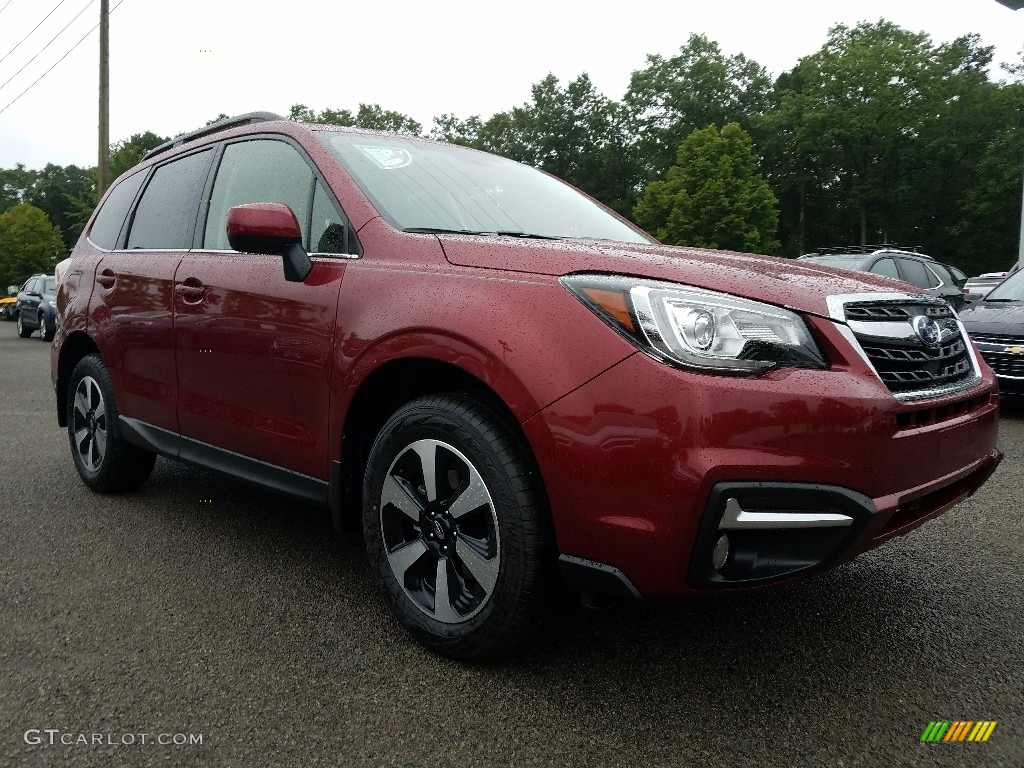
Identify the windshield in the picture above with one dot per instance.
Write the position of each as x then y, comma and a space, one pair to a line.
423, 186
1011, 289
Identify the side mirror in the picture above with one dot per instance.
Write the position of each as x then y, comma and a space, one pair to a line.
270, 228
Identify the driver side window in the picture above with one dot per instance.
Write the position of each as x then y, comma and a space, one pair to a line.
260, 171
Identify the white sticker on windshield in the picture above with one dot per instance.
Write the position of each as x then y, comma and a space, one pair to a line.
387, 158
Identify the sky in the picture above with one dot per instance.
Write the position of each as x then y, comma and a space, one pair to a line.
174, 66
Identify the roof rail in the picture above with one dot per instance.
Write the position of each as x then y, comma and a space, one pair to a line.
221, 125
872, 249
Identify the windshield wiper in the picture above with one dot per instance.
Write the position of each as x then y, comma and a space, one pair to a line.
491, 233
1008, 301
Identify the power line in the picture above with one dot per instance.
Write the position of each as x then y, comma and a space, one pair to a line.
48, 44
58, 61
5, 5
26, 37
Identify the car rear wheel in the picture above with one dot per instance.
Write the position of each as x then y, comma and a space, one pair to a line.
23, 332
105, 462
45, 333
456, 527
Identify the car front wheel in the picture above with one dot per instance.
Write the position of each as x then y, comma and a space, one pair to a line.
105, 462
45, 332
23, 332
456, 527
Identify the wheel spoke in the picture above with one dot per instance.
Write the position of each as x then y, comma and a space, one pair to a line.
81, 403
484, 571
443, 610
100, 438
81, 435
397, 495
100, 413
473, 497
427, 451
403, 558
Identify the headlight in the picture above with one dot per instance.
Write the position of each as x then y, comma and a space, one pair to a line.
695, 328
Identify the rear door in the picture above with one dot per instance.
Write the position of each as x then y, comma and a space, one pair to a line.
132, 301
253, 350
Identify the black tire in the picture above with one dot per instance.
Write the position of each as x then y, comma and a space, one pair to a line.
486, 533
23, 332
105, 462
45, 332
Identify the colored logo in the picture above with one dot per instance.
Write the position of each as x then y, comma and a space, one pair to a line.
927, 330
1014, 350
958, 730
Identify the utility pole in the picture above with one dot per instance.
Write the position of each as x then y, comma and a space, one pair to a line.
103, 165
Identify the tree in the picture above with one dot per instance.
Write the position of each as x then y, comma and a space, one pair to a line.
68, 196
876, 136
714, 196
14, 186
29, 243
129, 153
369, 116
698, 87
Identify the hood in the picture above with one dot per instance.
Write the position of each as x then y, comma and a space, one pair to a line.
795, 284
994, 317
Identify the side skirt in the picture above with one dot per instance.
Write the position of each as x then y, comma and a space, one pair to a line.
259, 473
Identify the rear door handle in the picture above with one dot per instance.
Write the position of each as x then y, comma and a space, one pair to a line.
191, 294
106, 278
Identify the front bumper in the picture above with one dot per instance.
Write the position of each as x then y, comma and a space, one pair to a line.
632, 460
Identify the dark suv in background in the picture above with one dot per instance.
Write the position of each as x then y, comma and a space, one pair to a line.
931, 276
500, 380
36, 308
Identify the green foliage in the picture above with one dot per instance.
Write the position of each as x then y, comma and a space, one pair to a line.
369, 116
129, 153
29, 243
713, 197
877, 137
698, 87
68, 196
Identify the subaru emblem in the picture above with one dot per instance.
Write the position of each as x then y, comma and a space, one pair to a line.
927, 330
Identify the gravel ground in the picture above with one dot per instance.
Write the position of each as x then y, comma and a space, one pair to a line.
201, 607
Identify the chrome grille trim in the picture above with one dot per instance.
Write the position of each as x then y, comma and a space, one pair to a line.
878, 326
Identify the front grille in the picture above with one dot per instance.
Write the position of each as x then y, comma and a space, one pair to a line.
908, 366
1005, 365
997, 338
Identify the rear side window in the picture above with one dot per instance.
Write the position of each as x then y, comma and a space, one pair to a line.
885, 267
917, 273
166, 214
260, 171
110, 219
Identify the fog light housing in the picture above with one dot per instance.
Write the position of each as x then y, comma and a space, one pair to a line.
720, 554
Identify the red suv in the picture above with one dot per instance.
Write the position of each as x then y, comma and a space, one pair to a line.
505, 383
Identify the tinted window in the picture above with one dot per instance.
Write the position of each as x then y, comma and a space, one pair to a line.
885, 267
917, 273
327, 233
107, 225
50, 285
263, 171
166, 214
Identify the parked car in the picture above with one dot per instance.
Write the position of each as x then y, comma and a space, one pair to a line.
931, 276
7, 307
503, 382
996, 324
36, 307
978, 287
